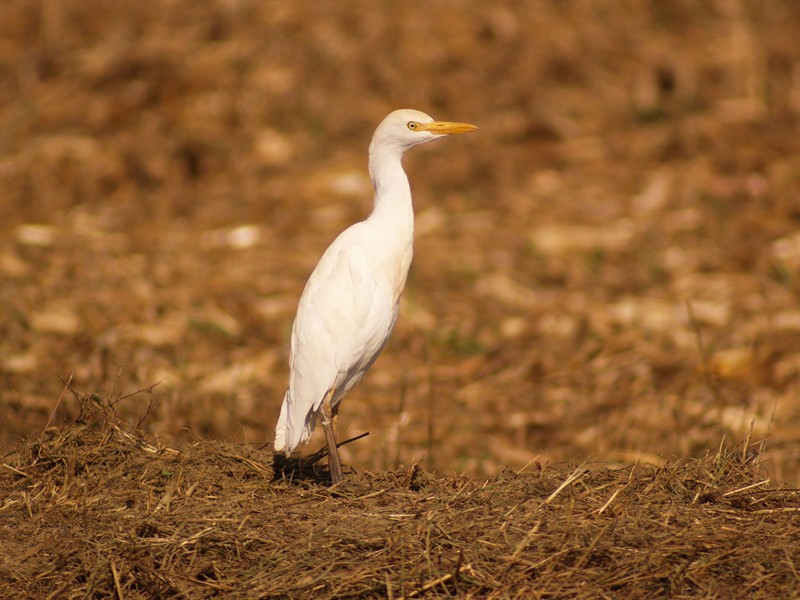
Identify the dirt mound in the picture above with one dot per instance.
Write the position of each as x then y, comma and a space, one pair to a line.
100, 509
608, 268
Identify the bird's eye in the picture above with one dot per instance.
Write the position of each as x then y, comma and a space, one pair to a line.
412, 125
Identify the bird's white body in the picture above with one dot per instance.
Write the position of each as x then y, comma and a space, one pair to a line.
349, 306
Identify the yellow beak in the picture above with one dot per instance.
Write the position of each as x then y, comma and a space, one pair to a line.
446, 127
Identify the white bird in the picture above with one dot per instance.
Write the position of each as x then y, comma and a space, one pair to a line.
349, 305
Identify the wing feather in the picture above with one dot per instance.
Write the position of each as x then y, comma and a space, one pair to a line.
343, 321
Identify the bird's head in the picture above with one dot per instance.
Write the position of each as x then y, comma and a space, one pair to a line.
406, 128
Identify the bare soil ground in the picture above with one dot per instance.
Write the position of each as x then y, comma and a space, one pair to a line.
608, 271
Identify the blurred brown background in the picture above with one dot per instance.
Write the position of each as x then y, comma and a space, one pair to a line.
609, 268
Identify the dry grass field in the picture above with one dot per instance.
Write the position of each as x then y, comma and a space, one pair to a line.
605, 296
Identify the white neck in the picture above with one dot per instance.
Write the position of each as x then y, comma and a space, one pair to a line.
393, 203
392, 217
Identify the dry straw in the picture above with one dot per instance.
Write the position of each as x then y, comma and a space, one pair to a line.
100, 509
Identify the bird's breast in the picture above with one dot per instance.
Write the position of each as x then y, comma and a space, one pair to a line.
395, 267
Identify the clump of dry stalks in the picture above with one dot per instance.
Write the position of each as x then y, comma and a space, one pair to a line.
100, 509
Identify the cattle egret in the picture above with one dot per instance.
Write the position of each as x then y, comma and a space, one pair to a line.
349, 305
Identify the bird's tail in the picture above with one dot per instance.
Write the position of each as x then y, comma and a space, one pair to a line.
288, 435
280, 431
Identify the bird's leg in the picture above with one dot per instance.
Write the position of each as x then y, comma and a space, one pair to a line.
334, 465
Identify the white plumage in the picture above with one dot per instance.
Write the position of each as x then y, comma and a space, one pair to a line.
349, 306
